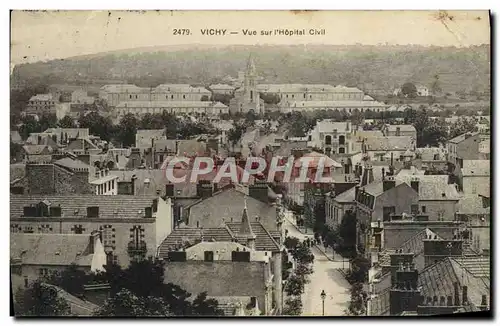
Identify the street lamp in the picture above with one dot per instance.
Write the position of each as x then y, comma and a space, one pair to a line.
323, 296
283, 283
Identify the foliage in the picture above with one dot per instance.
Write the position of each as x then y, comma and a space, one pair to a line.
299, 124
302, 254
347, 234
429, 132
357, 117
15, 150
144, 279
359, 270
462, 126
270, 98
127, 130
294, 285
223, 98
40, 299
28, 125
235, 133
66, 122
47, 121
205, 98
291, 243
71, 279
127, 304
98, 125
303, 270
409, 89
293, 306
357, 305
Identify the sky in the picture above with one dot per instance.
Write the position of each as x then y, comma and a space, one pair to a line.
47, 35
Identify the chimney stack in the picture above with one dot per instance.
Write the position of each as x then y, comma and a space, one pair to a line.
456, 293
388, 183
464, 295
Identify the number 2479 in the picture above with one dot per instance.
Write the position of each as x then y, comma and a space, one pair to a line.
183, 31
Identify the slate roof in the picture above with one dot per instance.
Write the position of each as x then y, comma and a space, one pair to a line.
148, 180
264, 240
433, 187
377, 188
389, 143
35, 149
476, 168
72, 206
228, 204
462, 137
427, 153
347, 196
328, 162
51, 249
72, 164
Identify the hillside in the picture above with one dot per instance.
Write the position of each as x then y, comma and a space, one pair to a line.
459, 69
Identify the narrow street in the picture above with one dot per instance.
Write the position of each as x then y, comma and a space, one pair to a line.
327, 277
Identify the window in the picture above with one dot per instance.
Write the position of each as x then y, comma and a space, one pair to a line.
209, 256
148, 212
328, 140
93, 211
341, 150
78, 229
387, 211
44, 228
108, 235
240, 256
28, 229
43, 272
424, 209
184, 96
15, 228
342, 140
26, 281
414, 209
55, 211
137, 235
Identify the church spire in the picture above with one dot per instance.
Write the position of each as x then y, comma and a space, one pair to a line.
246, 228
251, 71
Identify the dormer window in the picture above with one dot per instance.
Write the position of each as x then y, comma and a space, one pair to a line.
93, 211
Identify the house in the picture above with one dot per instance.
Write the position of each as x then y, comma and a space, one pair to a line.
147, 138
41, 104
35, 255
333, 137
474, 175
389, 148
214, 255
35, 152
132, 227
336, 207
475, 211
437, 198
431, 158
463, 147
400, 130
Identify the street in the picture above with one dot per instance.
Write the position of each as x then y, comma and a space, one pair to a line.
327, 277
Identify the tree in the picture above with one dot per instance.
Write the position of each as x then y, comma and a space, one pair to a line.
348, 234
127, 304
303, 270
151, 121
270, 98
409, 90
295, 285
462, 126
28, 125
47, 121
71, 279
359, 270
66, 122
98, 125
357, 305
291, 243
293, 306
235, 133
127, 130
357, 117
40, 299
302, 254
436, 87
205, 307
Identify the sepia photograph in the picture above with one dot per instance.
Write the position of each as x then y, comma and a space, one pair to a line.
293, 163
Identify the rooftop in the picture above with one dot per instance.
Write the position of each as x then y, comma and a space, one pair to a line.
403, 128
476, 168
51, 249
463, 137
169, 104
390, 143
118, 207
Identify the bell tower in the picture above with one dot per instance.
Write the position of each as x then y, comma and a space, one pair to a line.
251, 96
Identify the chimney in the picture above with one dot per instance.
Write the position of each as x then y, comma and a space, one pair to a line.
367, 175
414, 184
456, 294
132, 181
383, 173
464, 295
392, 159
204, 189
259, 190
388, 183
94, 236
356, 192
484, 303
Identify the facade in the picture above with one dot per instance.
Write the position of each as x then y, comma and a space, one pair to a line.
132, 227
41, 104
36, 255
222, 89
286, 106
333, 137
312, 92
175, 107
475, 176
115, 94
388, 149
463, 147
